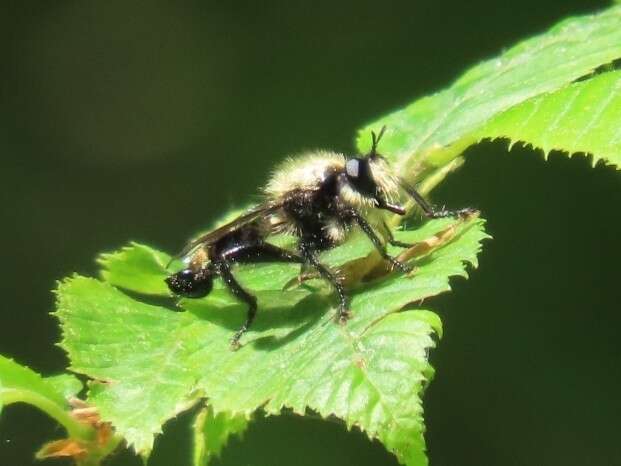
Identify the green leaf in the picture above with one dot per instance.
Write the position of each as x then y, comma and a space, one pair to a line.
17, 379
137, 268
152, 363
582, 117
19, 384
212, 432
67, 385
435, 129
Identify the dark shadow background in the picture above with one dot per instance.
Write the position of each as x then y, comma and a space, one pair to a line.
144, 120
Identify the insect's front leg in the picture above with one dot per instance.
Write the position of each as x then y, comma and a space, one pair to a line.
377, 242
391, 239
459, 213
432, 212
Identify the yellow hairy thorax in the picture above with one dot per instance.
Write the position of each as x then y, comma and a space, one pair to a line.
305, 172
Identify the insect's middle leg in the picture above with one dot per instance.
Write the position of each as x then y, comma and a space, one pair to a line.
311, 258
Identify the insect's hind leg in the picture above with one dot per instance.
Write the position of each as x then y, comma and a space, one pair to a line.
224, 270
310, 257
267, 252
262, 252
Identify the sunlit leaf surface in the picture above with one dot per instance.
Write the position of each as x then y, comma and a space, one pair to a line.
437, 128
21, 384
582, 117
212, 432
152, 362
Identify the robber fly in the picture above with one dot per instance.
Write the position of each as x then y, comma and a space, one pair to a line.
318, 198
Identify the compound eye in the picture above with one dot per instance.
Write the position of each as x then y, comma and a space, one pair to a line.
352, 168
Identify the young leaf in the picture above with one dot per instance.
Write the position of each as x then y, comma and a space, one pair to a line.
582, 117
152, 363
67, 385
435, 129
212, 432
19, 384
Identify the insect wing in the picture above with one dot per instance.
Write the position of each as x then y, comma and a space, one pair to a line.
244, 219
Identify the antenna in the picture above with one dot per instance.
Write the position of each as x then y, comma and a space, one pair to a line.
375, 140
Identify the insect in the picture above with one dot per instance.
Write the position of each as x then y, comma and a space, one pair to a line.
318, 198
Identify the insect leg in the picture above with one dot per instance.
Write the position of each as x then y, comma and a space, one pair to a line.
267, 252
311, 258
391, 238
377, 242
428, 209
236, 289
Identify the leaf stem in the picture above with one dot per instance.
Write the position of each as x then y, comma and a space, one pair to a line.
74, 428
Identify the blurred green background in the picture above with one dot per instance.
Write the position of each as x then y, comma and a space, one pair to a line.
145, 120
